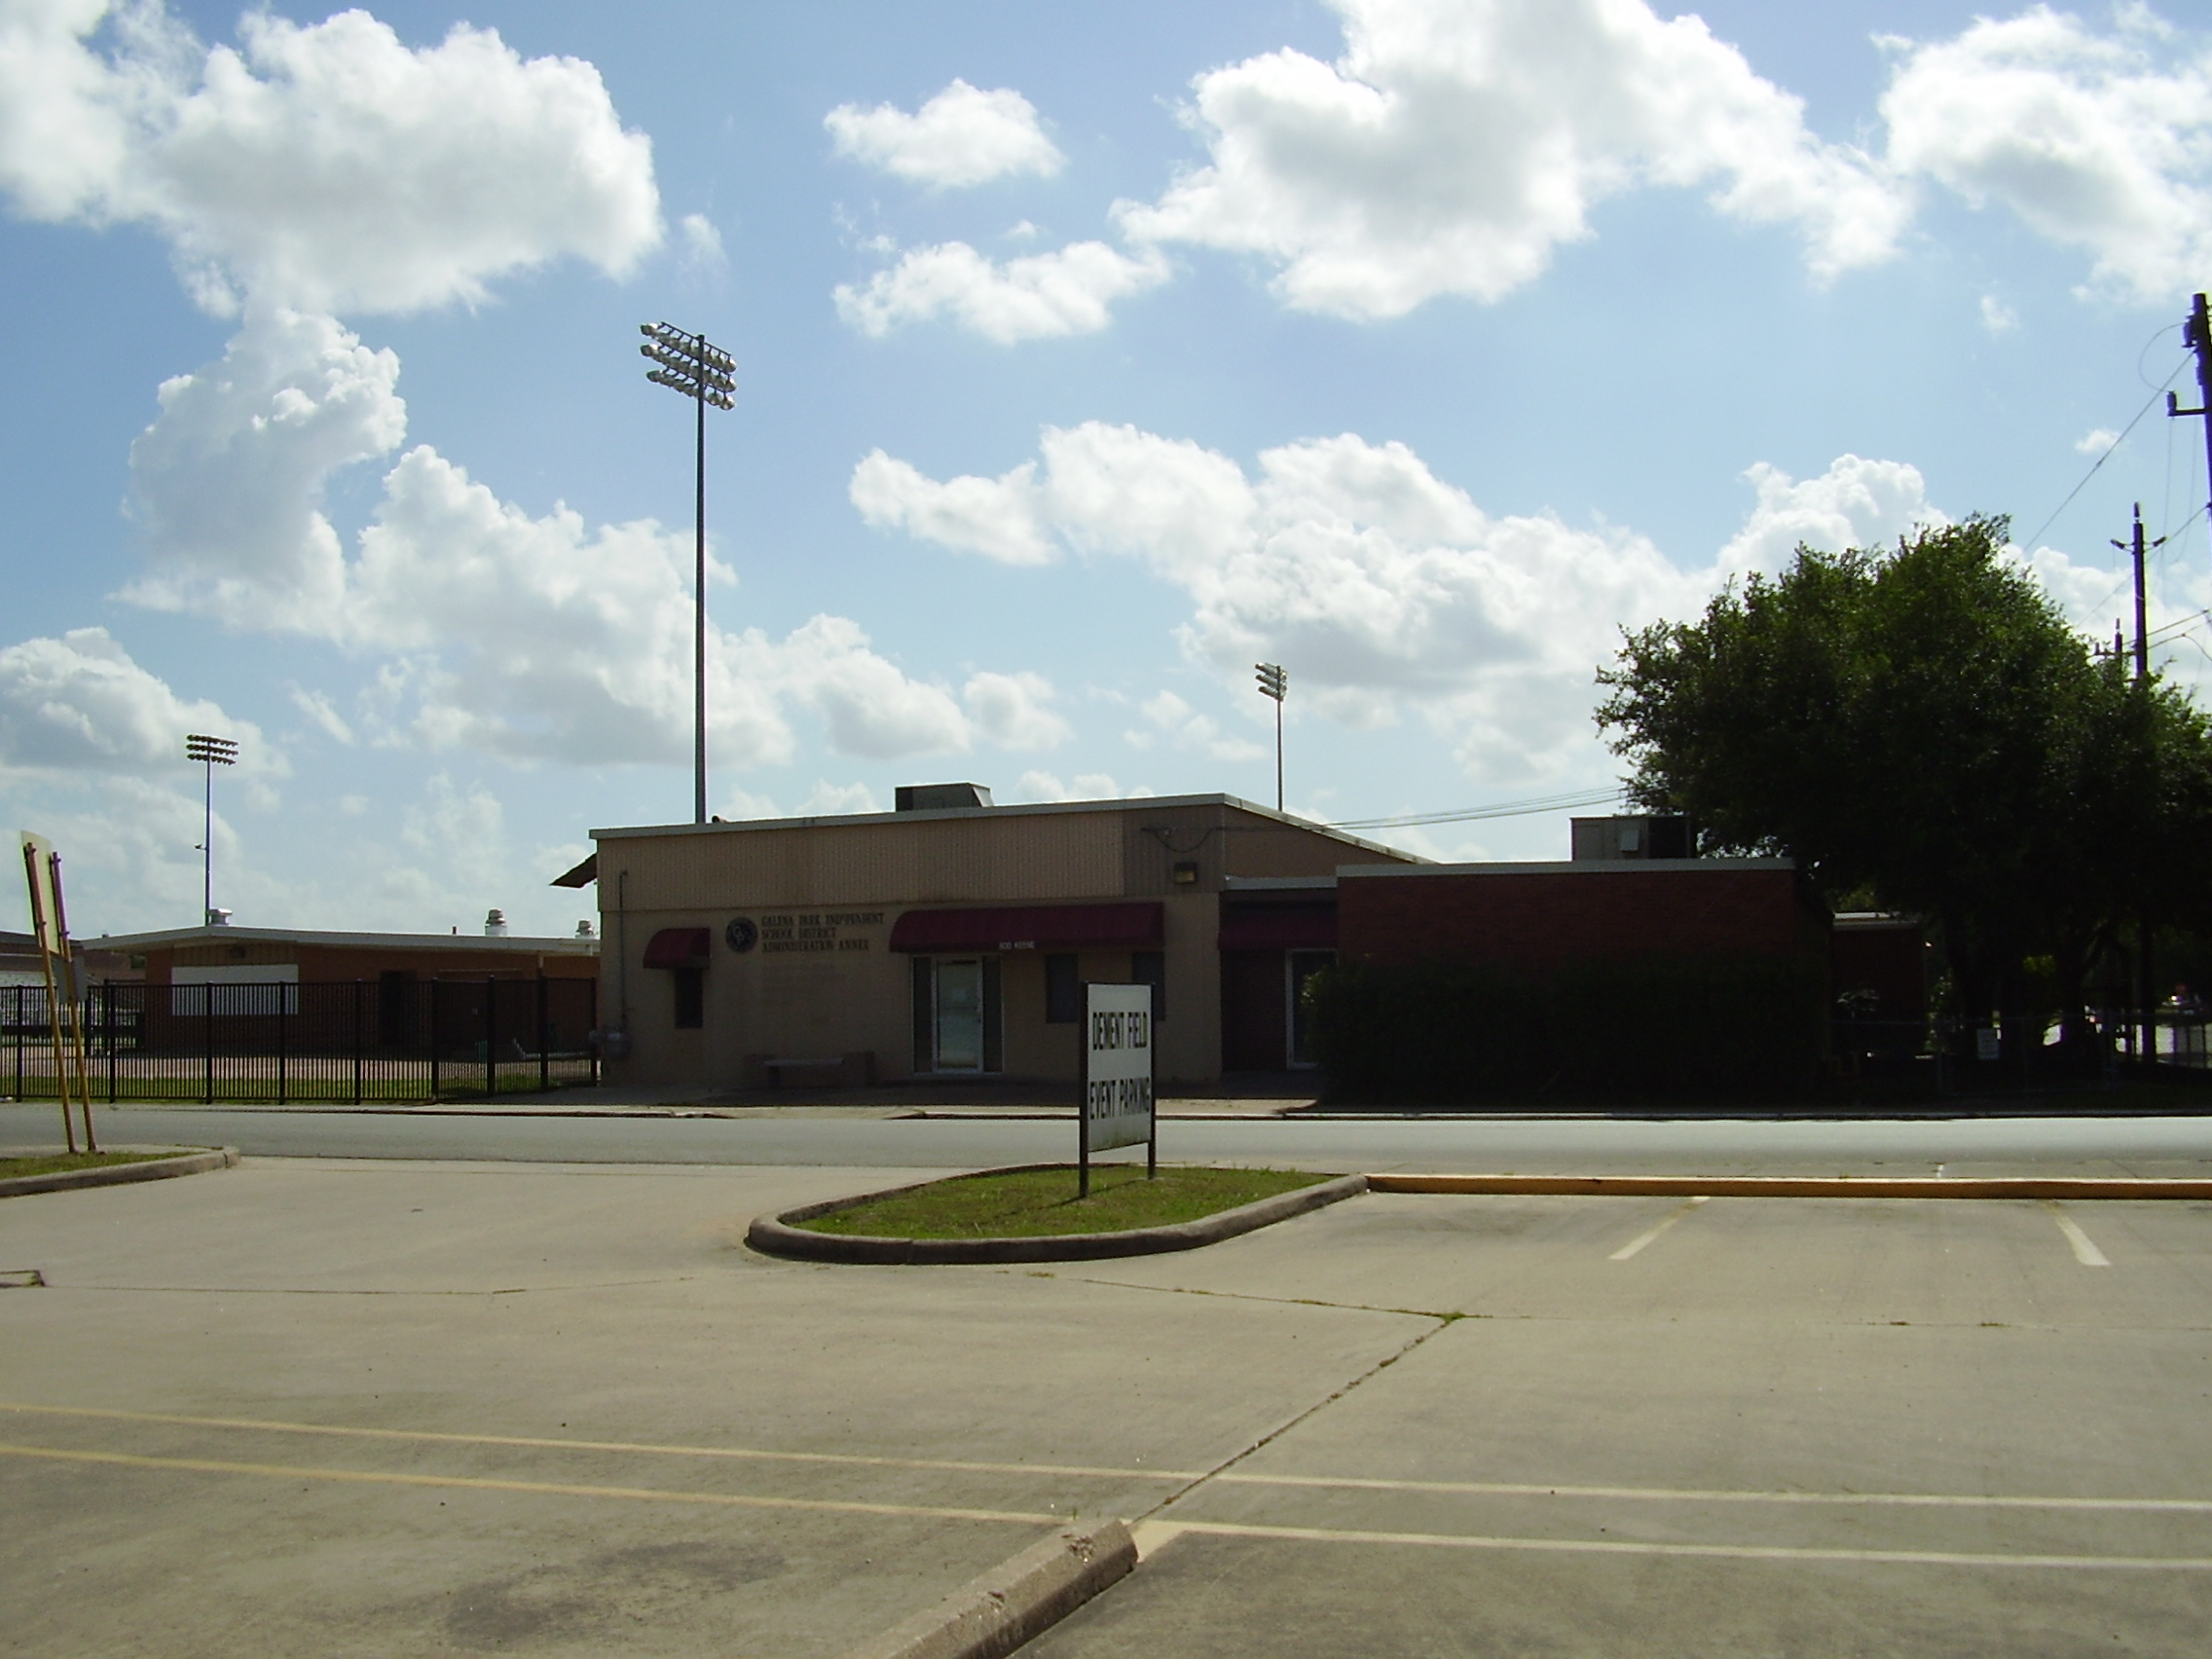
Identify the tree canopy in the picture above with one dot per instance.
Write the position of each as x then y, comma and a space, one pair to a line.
1922, 725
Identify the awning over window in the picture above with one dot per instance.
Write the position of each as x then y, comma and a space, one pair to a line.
1034, 927
1279, 927
678, 948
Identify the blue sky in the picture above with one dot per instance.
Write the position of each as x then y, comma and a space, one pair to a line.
1086, 354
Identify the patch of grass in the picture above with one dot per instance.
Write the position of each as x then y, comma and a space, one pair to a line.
66, 1163
1042, 1203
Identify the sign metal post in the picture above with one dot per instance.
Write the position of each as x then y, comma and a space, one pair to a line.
50, 924
1117, 1077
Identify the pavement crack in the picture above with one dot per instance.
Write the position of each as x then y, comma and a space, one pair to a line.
1443, 1323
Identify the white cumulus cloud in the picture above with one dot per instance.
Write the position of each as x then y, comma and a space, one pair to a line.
1013, 711
1854, 503
993, 516
326, 167
229, 479
2101, 141
537, 637
1379, 584
963, 136
1036, 297
1456, 143
82, 704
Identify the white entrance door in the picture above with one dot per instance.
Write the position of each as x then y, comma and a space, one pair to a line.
959, 1014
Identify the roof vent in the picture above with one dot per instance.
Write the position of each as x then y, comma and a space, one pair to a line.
941, 798
494, 924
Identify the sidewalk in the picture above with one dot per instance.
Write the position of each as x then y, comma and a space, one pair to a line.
900, 1101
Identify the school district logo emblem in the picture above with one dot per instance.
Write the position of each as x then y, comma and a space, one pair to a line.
742, 935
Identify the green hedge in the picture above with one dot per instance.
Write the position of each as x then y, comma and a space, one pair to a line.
1448, 1032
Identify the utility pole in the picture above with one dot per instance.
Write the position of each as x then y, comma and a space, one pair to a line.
1275, 684
2142, 609
2196, 335
686, 363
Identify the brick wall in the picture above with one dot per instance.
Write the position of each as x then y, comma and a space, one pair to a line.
1540, 919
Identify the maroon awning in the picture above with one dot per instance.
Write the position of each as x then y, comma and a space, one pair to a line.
1032, 927
1279, 927
678, 948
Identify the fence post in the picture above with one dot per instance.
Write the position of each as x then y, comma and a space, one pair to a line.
545, 1040
208, 1036
107, 995
593, 1029
431, 986
18, 1033
357, 1042
283, 1033
491, 1036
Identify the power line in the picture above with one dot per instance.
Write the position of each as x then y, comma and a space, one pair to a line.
1473, 814
2152, 402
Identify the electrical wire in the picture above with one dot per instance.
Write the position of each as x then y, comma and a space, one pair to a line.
2107, 455
1503, 809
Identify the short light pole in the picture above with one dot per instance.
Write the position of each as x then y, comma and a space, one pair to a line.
211, 751
1274, 683
686, 363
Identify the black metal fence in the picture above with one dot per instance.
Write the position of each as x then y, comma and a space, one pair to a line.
356, 1040
1942, 1056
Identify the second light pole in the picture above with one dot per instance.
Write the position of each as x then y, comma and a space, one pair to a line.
1275, 684
686, 363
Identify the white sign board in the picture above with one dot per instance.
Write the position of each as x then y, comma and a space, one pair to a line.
1117, 1066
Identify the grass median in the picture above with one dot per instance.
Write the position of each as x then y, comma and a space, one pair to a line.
68, 1163
1042, 1203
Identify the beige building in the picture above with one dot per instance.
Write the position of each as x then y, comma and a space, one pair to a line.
951, 938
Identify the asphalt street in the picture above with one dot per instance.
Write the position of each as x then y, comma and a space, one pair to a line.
2143, 1146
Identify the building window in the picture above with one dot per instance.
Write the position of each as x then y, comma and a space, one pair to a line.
691, 988
1150, 967
1063, 989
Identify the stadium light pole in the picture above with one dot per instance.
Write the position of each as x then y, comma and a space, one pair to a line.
686, 363
1274, 683
211, 751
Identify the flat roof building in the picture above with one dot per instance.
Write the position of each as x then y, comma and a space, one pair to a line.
949, 940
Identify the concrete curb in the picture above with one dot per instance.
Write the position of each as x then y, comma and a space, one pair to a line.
1800, 1186
776, 1235
118, 1174
995, 1613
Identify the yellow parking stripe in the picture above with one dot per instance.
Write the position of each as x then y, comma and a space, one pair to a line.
646, 1449
550, 1488
1158, 1532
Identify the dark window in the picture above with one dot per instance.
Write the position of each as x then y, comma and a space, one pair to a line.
1150, 967
1063, 990
691, 998
925, 1016
395, 1009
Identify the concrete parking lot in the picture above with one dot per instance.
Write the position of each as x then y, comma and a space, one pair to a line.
317, 1406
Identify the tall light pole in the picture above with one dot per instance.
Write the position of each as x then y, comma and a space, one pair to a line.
686, 363
1274, 683
211, 752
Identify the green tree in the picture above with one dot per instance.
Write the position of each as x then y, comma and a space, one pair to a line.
1922, 725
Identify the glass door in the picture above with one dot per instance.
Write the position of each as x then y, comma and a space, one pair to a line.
960, 1014
1299, 967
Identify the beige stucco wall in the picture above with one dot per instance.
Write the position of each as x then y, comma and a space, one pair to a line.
842, 886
